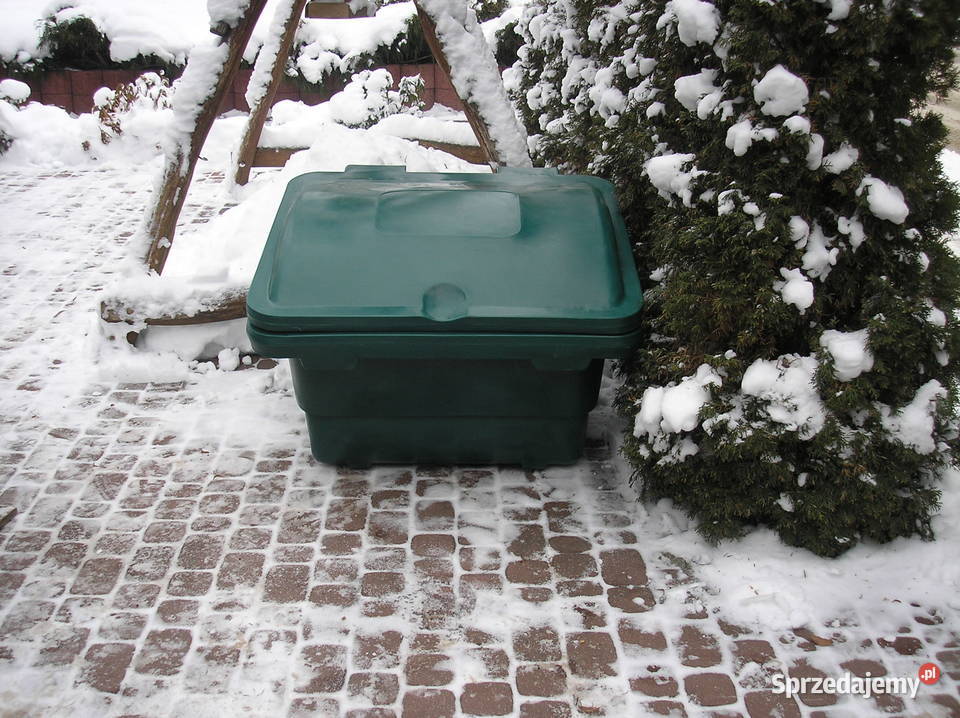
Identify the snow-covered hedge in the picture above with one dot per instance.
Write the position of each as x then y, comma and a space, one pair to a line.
780, 178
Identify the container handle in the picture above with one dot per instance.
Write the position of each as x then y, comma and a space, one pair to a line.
375, 171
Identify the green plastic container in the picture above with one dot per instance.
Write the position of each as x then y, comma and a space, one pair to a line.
441, 318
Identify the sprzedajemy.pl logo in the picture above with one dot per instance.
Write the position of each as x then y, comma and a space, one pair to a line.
849, 684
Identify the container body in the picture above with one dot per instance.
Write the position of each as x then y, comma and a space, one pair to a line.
446, 411
442, 318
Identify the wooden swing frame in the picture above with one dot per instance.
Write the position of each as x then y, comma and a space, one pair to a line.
168, 201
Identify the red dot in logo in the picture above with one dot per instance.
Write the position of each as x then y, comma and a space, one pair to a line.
929, 673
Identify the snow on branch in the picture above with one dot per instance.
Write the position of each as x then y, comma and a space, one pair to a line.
226, 12
268, 55
476, 77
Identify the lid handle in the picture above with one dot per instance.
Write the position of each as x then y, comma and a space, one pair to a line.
535, 171
444, 302
375, 171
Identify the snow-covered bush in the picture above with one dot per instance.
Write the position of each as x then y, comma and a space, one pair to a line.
13, 94
367, 98
74, 41
779, 175
112, 108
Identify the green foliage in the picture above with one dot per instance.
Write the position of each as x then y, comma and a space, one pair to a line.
508, 45
408, 48
596, 85
78, 44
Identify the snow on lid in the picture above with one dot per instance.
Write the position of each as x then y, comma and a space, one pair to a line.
666, 173
228, 11
780, 92
851, 357
14, 90
696, 21
796, 289
885, 201
672, 409
913, 425
787, 387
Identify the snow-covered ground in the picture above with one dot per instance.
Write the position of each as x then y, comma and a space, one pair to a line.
68, 212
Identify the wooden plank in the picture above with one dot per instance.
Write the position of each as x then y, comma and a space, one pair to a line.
178, 171
6, 515
273, 156
247, 156
469, 109
329, 11
469, 153
279, 156
230, 304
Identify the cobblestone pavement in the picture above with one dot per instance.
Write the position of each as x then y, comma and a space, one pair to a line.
176, 551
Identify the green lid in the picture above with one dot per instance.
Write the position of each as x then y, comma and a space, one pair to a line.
377, 249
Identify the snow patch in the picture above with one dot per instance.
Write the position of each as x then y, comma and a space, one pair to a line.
841, 160
743, 134
697, 93
696, 21
913, 425
15, 91
675, 408
796, 289
787, 390
885, 201
668, 175
227, 11
781, 93
851, 357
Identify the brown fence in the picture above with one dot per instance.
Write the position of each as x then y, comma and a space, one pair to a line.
73, 89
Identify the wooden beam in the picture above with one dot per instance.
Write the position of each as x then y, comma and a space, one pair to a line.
258, 113
469, 109
162, 219
6, 515
279, 156
273, 156
469, 153
229, 304
329, 11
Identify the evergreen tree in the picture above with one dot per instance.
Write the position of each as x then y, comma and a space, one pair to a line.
779, 175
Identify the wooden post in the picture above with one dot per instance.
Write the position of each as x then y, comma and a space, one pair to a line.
258, 113
469, 109
161, 222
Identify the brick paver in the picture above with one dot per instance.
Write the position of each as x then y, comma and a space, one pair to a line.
177, 550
